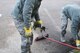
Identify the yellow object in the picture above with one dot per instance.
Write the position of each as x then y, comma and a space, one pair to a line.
77, 42
28, 32
39, 21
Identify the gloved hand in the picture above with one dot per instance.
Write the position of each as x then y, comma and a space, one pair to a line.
37, 24
78, 43
28, 32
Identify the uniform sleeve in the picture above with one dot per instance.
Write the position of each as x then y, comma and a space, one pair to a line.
64, 22
37, 16
27, 12
15, 10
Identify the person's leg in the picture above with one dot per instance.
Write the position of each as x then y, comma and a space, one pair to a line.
78, 31
78, 38
74, 31
25, 46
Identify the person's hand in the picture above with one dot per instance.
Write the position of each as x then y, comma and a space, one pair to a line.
37, 24
63, 33
78, 43
28, 32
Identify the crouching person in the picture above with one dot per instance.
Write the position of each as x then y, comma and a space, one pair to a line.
72, 12
24, 12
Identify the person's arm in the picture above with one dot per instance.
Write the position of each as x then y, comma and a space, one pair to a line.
64, 22
38, 22
37, 16
27, 12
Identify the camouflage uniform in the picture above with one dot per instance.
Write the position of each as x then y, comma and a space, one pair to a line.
23, 12
72, 12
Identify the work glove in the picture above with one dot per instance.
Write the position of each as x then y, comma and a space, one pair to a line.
28, 32
78, 43
37, 24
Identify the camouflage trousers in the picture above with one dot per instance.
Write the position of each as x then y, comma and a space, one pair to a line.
26, 42
75, 28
